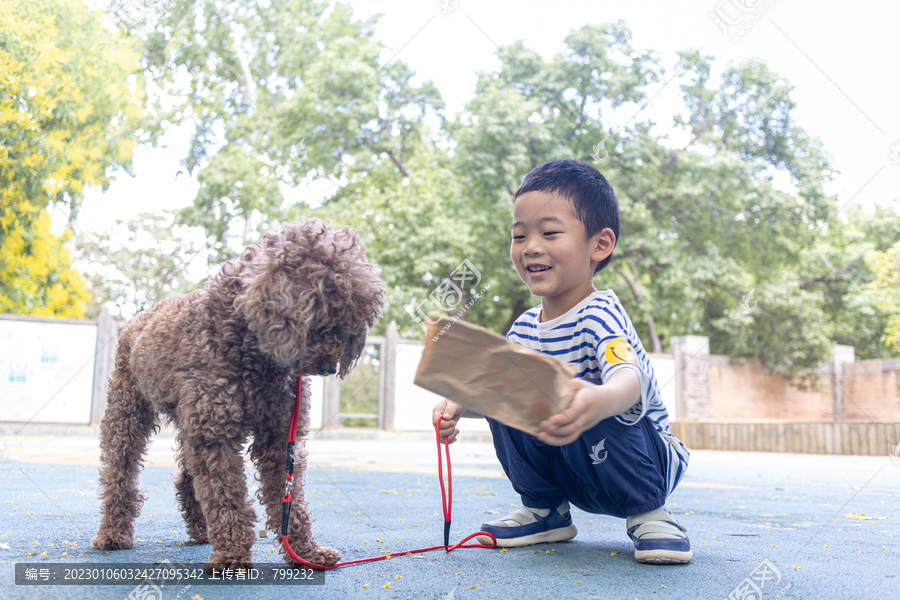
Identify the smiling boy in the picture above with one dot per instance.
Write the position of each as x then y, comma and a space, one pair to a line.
609, 451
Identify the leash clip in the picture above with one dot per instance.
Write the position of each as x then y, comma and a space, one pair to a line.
288, 486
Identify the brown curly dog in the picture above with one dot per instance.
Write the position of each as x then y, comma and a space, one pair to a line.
221, 363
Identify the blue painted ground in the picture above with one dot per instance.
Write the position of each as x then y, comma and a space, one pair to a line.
741, 509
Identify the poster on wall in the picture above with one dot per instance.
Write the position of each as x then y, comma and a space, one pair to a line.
46, 371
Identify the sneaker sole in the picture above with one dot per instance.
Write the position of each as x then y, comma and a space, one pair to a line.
663, 557
562, 534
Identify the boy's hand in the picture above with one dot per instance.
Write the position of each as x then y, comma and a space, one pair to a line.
589, 405
451, 411
567, 426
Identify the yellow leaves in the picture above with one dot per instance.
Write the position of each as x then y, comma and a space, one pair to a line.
36, 276
66, 79
862, 517
884, 290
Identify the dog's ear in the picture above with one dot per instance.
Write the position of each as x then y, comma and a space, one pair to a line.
365, 296
270, 304
350, 354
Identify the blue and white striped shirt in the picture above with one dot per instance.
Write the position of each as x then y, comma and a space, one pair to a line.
590, 336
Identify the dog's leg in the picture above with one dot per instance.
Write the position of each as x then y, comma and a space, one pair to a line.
124, 433
217, 469
268, 452
187, 501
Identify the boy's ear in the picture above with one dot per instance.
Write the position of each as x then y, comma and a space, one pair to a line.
605, 243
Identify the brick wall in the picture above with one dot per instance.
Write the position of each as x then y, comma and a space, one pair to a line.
743, 391
871, 392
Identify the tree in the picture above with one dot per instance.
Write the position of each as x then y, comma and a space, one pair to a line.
885, 290
703, 226
69, 114
709, 243
278, 91
150, 265
36, 276
840, 272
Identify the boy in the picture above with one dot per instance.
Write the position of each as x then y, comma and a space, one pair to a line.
609, 451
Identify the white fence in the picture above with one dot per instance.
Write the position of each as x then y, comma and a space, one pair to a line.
47, 369
403, 406
54, 371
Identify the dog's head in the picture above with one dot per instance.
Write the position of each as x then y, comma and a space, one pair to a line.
310, 297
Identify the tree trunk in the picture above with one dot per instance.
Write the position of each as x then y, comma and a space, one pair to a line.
248, 225
636, 292
517, 309
654, 337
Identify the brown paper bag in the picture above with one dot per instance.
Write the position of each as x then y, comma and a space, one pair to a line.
487, 374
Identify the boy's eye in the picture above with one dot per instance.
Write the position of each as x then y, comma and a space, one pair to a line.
518, 237
550, 232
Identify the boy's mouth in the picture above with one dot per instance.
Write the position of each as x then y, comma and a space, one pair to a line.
536, 270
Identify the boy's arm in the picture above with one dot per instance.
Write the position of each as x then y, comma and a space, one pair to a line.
591, 404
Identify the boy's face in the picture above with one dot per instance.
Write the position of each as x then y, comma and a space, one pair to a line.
549, 249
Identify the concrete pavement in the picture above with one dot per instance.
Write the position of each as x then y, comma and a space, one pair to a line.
827, 525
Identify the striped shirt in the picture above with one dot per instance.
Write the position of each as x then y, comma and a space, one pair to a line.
592, 336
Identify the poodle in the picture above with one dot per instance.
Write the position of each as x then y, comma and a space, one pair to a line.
221, 364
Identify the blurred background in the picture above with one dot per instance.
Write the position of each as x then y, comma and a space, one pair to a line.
754, 148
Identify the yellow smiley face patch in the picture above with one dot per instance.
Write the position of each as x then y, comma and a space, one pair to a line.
619, 351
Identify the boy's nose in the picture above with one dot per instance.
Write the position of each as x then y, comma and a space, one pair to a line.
534, 248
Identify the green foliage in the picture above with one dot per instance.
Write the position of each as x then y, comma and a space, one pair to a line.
69, 111
703, 224
151, 264
710, 243
359, 391
885, 290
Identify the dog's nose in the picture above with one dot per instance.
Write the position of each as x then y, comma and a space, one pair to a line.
327, 368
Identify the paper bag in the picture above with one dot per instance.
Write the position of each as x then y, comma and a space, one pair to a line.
485, 373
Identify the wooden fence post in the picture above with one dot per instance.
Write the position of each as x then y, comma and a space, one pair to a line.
331, 402
104, 360
839, 355
388, 378
691, 354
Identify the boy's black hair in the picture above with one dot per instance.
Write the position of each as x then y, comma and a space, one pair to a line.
590, 193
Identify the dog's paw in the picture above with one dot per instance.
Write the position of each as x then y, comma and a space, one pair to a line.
220, 561
112, 541
195, 542
320, 556
197, 538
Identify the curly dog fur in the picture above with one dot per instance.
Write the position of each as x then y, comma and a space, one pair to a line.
221, 364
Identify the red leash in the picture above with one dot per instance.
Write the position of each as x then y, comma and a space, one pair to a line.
446, 501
